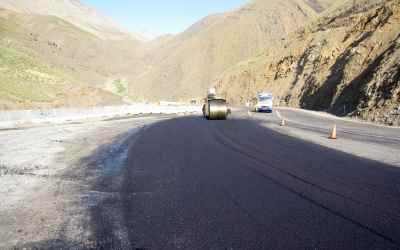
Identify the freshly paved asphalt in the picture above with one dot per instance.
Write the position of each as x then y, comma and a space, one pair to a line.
359, 131
189, 183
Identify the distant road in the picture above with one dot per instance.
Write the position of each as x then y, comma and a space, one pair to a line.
189, 183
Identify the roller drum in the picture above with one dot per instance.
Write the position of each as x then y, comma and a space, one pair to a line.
218, 110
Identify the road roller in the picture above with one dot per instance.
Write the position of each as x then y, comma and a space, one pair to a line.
215, 108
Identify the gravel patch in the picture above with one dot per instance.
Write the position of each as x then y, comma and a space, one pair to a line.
42, 185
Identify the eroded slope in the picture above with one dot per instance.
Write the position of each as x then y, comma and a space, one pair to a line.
184, 66
346, 62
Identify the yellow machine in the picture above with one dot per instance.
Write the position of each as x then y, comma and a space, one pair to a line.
215, 108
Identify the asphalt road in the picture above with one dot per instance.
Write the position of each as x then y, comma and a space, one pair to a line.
360, 131
189, 183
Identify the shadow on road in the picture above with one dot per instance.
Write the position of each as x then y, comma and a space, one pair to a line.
195, 184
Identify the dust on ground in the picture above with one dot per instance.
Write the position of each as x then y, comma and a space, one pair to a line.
43, 181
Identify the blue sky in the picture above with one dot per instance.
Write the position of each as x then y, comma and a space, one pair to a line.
161, 16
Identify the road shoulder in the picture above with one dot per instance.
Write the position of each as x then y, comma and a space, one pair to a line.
358, 145
42, 185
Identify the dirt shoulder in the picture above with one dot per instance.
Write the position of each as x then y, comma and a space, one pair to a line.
43, 180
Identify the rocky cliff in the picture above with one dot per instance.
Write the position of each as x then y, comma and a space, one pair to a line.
346, 62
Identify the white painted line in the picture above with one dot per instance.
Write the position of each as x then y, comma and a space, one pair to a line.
278, 114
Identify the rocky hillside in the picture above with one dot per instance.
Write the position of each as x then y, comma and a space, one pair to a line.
184, 66
346, 62
72, 11
73, 43
46, 61
330, 55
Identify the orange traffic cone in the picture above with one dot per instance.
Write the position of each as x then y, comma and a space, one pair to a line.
333, 135
283, 123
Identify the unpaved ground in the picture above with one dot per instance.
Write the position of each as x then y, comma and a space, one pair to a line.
44, 180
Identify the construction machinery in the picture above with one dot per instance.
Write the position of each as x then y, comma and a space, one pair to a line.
215, 108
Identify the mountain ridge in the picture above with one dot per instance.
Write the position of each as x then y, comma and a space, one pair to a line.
185, 65
75, 12
43, 48
328, 55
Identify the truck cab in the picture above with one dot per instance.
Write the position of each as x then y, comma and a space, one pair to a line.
263, 103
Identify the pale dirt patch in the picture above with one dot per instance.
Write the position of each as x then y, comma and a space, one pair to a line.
40, 74
41, 183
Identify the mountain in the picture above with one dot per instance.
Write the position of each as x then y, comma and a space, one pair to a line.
322, 5
184, 66
63, 53
43, 63
345, 62
73, 11
47, 61
340, 56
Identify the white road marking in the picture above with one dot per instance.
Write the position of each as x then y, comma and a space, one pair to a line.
278, 114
